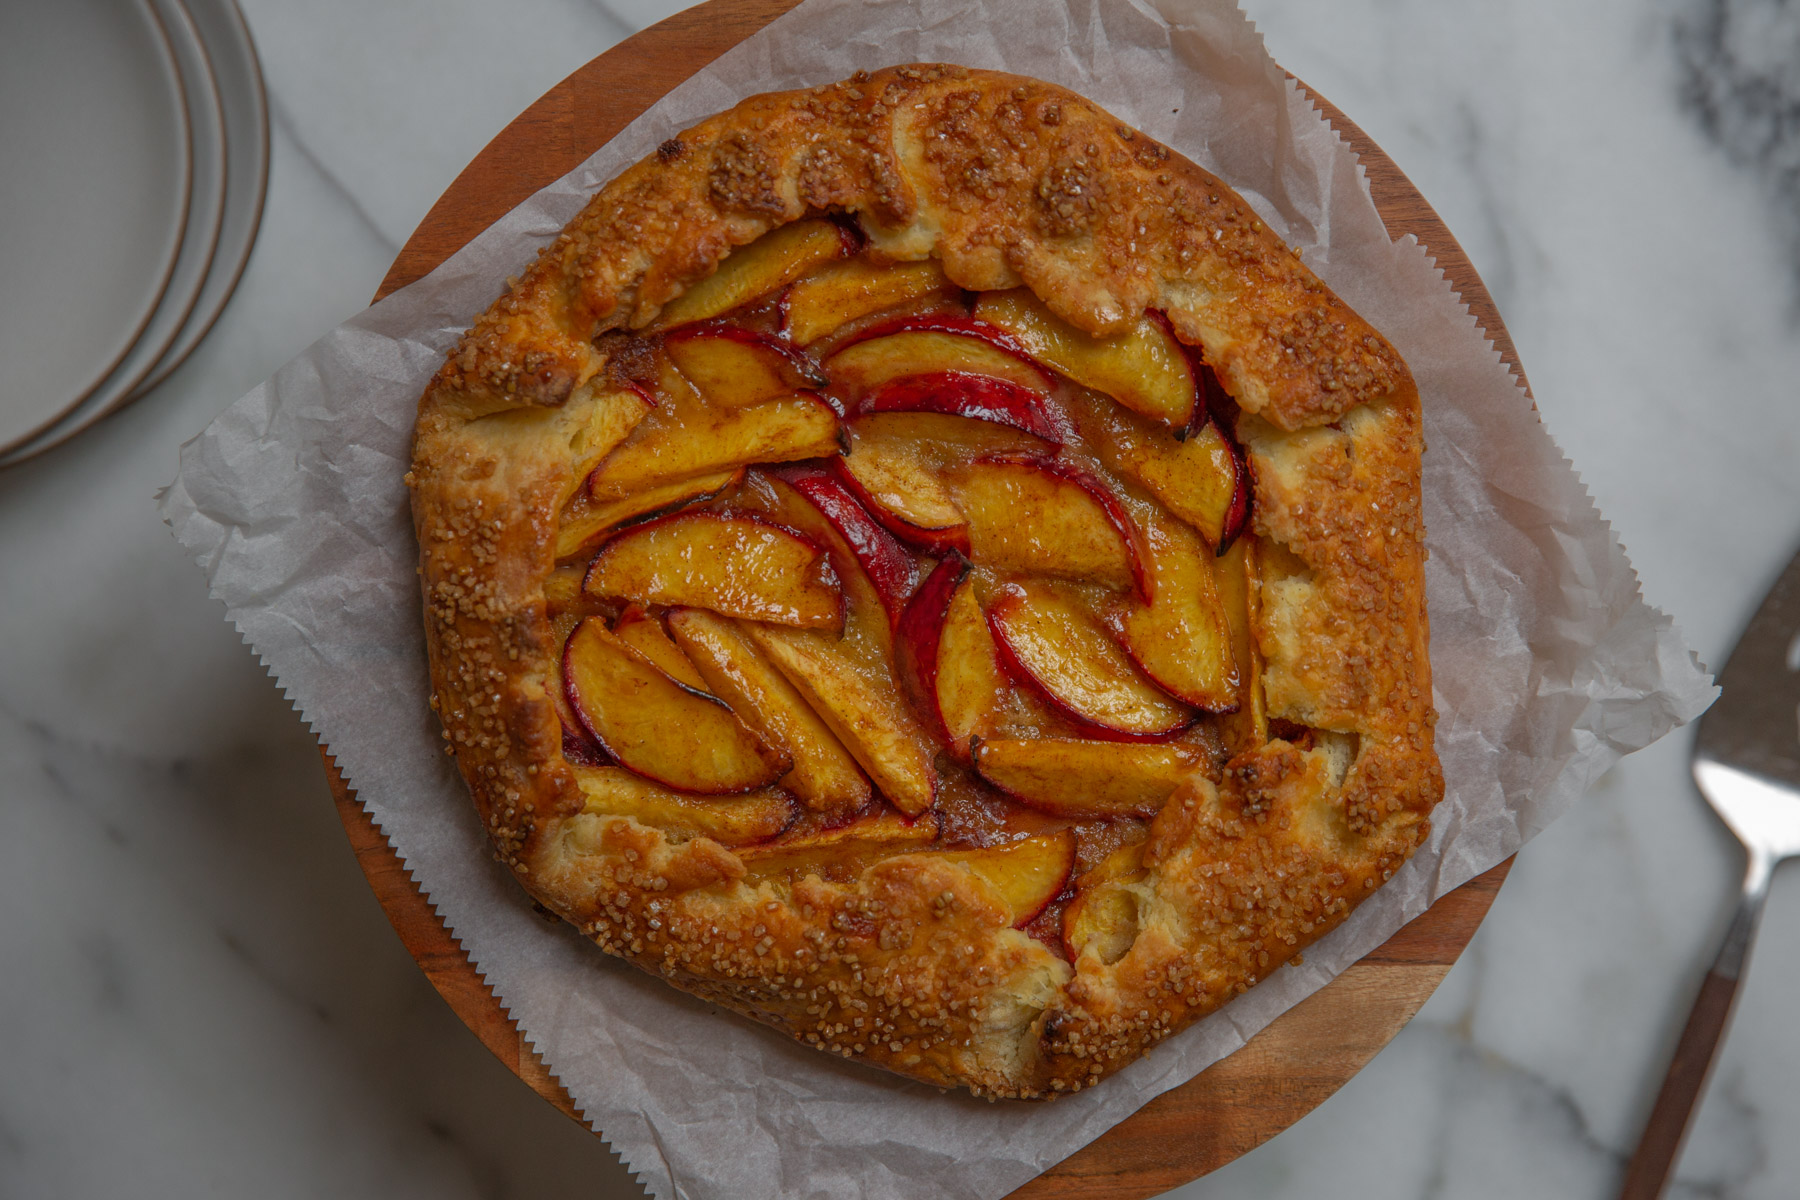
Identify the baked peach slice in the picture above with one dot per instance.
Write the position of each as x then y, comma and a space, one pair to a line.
897, 483
897, 464
1238, 578
562, 589
930, 344
1028, 874
741, 566
838, 293
974, 696
1050, 518
1055, 646
1105, 914
772, 261
733, 366
578, 745
1182, 638
954, 670
1145, 368
638, 628
1200, 478
613, 419
980, 397
713, 440
856, 696
743, 820
919, 636
824, 775
841, 854
847, 679
1221, 432
1084, 779
658, 727
889, 567
868, 621
586, 521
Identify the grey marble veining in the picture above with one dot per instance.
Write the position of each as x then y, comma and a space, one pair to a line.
200, 997
1740, 62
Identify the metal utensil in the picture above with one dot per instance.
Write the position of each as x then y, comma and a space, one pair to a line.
1747, 765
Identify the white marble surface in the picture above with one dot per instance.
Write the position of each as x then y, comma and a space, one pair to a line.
199, 995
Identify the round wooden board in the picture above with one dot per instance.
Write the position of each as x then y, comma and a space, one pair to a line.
1285, 1071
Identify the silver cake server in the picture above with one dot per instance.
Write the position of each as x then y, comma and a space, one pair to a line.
1747, 764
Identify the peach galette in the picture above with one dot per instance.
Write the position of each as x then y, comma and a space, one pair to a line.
921, 564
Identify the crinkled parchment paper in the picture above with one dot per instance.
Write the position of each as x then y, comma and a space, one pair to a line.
1549, 665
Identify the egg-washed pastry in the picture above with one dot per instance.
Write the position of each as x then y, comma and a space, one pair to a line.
921, 564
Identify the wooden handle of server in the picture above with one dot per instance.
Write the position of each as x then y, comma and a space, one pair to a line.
1654, 1160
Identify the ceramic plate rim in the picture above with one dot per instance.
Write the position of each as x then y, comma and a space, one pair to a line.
196, 257
163, 55
233, 254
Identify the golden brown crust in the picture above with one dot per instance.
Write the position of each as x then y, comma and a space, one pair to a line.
913, 966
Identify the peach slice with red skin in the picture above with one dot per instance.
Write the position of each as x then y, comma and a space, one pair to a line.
1203, 481
1199, 478
838, 293
707, 440
957, 325
772, 261
1087, 780
1049, 517
896, 483
1028, 874
848, 680
868, 622
898, 465
658, 727
1145, 368
578, 746
741, 820
824, 776
733, 366
906, 499
741, 566
1181, 639
930, 344
980, 397
1237, 514
1052, 645
919, 634
974, 696
953, 669
889, 566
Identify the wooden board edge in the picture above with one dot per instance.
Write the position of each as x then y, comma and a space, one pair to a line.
439, 955
1279, 1075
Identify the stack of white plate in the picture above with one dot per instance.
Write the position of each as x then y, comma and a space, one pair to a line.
134, 156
